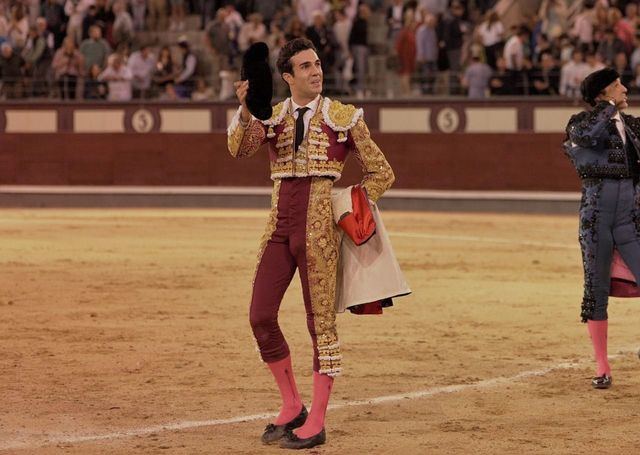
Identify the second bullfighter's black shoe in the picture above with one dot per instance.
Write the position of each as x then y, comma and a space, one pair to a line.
602, 382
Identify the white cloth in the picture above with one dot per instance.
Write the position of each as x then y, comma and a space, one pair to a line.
369, 272
313, 105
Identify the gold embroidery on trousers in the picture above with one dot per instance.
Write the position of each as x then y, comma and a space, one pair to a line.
322, 249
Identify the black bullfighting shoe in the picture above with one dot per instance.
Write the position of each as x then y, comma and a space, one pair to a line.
291, 441
273, 433
602, 382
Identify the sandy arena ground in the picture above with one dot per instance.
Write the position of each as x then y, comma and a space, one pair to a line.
115, 323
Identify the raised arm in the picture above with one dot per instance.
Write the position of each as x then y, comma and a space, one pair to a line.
245, 134
585, 128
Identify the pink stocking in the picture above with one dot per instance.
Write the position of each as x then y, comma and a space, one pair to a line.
291, 403
322, 385
598, 333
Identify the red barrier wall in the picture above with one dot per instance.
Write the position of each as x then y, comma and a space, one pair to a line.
517, 161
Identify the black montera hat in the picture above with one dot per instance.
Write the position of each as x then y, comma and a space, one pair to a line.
256, 69
596, 82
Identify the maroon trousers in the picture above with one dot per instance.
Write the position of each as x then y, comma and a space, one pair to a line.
284, 252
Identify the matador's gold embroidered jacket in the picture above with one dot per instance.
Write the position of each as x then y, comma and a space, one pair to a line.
335, 130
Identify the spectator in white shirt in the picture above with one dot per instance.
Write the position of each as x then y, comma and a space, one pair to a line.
572, 74
76, 10
514, 50
306, 8
142, 64
252, 31
491, 32
118, 77
18, 27
515, 60
583, 25
235, 22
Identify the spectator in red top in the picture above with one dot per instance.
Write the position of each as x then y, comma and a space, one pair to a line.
624, 30
406, 50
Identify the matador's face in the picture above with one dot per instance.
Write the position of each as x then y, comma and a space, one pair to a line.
617, 93
306, 80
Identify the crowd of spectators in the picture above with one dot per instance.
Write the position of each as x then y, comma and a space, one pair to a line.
91, 49
113, 49
456, 49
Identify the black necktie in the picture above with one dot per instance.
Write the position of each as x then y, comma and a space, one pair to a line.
300, 126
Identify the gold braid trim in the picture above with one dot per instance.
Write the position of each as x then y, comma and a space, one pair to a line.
271, 225
378, 175
322, 247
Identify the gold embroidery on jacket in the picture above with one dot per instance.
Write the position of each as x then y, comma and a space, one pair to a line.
284, 143
244, 142
378, 175
322, 249
340, 117
317, 140
341, 114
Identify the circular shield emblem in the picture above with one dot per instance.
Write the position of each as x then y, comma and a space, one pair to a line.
142, 121
448, 120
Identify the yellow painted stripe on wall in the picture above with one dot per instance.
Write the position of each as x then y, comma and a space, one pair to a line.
404, 120
552, 119
185, 120
98, 121
24, 121
491, 120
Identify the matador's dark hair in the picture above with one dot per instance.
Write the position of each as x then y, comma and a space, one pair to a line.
290, 49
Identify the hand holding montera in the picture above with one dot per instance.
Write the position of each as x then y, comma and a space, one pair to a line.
242, 88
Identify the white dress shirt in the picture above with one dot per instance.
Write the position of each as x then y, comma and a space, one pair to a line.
620, 126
